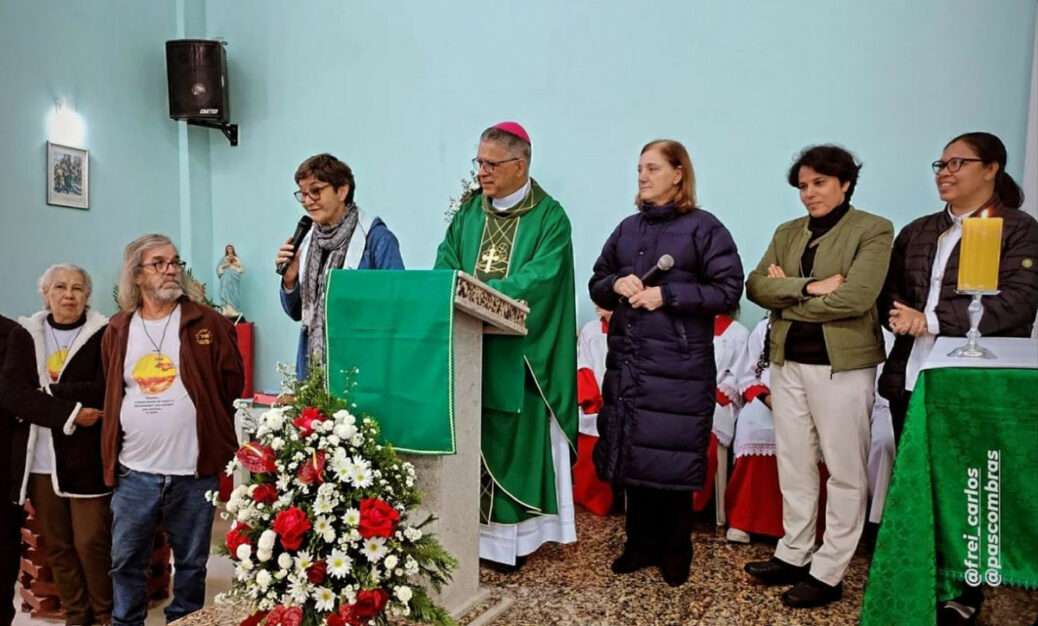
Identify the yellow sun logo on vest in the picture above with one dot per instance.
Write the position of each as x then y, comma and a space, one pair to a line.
154, 373
54, 364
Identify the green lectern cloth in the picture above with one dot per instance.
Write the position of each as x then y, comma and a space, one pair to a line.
394, 327
963, 499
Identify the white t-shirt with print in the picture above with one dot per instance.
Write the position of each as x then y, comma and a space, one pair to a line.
56, 347
160, 432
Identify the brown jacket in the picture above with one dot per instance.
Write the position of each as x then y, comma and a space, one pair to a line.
212, 373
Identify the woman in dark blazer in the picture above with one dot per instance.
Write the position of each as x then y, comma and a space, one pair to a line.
659, 388
919, 301
53, 381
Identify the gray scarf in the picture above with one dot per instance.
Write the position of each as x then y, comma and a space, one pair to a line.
331, 241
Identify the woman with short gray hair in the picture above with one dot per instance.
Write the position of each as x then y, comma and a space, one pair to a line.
53, 379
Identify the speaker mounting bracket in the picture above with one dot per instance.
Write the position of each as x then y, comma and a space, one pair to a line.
229, 130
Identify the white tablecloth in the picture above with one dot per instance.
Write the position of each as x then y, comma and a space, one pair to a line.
1011, 352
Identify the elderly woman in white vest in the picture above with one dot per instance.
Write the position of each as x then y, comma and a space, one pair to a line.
342, 237
53, 380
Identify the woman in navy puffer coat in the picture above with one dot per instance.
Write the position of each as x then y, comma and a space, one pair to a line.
659, 388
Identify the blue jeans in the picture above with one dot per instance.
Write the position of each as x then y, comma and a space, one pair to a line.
141, 502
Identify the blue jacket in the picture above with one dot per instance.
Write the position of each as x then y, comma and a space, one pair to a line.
660, 384
381, 252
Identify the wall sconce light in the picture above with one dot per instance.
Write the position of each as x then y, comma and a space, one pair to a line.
64, 125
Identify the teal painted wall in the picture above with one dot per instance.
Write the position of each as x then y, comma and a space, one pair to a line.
401, 90
107, 58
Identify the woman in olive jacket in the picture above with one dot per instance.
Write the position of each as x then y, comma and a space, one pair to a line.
820, 278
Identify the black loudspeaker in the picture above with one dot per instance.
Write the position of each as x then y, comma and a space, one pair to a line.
196, 70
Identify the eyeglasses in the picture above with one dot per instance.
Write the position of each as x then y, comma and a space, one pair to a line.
953, 165
313, 194
489, 166
161, 266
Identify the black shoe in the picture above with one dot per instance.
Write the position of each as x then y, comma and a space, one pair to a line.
505, 568
810, 593
632, 561
775, 571
675, 570
962, 610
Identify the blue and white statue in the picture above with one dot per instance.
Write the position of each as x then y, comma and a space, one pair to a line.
230, 270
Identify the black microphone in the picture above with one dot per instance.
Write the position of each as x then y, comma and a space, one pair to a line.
302, 228
662, 266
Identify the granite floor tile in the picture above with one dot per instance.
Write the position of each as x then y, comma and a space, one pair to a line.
573, 584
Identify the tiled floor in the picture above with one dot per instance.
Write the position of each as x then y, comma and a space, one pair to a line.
573, 585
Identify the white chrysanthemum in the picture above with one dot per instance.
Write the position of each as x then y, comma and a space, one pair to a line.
357, 440
277, 443
231, 466
339, 564
241, 572
324, 504
412, 534
411, 566
267, 539
274, 419
263, 555
361, 478
303, 561
374, 548
263, 579
341, 465
333, 440
324, 599
403, 593
299, 589
284, 480
323, 527
284, 560
243, 551
376, 575
390, 561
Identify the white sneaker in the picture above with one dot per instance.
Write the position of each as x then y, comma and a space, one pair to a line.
737, 536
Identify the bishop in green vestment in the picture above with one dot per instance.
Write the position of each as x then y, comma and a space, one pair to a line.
517, 239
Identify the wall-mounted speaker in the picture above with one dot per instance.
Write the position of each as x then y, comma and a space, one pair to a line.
196, 71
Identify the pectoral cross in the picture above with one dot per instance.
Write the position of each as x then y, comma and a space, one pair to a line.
491, 257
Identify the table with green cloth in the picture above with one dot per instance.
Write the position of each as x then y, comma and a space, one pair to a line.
390, 348
963, 499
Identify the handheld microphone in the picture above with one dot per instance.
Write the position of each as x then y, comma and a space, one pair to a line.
302, 228
662, 266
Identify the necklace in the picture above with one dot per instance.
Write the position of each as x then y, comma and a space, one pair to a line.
158, 346
63, 350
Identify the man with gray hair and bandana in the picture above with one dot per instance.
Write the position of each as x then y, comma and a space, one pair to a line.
172, 372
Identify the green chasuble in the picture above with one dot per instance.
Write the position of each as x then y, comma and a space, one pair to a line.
525, 252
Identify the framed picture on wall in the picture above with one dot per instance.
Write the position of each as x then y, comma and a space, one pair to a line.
68, 176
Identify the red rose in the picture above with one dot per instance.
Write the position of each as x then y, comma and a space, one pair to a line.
285, 616
291, 524
265, 493
257, 458
315, 573
344, 617
306, 420
236, 537
313, 470
370, 603
377, 518
255, 619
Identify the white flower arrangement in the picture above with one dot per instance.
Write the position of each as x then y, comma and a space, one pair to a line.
469, 187
322, 530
